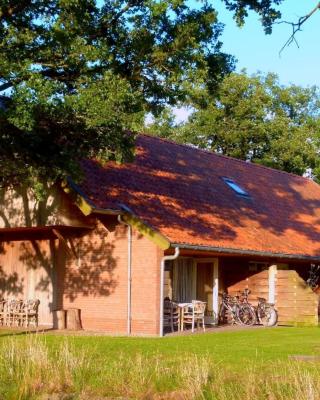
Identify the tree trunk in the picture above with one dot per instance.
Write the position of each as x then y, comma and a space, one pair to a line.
73, 319
60, 319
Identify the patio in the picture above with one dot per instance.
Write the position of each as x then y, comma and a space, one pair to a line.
190, 278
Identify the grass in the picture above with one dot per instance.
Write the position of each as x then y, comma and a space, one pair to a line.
238, 365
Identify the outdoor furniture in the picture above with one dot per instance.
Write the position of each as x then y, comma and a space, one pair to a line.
19, 312
171, 315
30, 312
3, 312
13, 308
182, 307
193, 314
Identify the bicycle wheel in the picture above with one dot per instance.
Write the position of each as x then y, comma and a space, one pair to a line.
246, 315
268, 316
223, 315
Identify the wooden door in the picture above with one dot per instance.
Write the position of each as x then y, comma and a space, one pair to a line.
205, 284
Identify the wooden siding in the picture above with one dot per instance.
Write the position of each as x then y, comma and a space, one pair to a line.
27, 272
296, 303
20, 208
237, 276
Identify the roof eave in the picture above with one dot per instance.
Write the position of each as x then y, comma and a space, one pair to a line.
83, 202
144, 228
244, 252
88, 207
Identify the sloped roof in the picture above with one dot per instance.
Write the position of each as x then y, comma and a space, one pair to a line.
179, 191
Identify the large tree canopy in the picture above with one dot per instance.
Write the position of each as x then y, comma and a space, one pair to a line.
256, 119
79, 73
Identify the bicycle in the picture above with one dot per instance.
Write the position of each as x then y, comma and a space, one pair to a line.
314, 274
234, 312
265, 313
252, 319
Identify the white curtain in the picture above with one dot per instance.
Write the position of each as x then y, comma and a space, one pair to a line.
183, 280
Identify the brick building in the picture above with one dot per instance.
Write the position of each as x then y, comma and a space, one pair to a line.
178, 222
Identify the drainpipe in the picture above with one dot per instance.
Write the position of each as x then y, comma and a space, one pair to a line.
129, 273
162, 265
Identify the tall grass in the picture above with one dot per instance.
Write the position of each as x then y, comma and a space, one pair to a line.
30, 368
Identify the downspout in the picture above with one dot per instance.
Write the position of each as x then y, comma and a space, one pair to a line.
129, 274
162, 265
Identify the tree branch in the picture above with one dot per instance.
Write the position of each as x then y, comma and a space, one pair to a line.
5, 86
13, 8
106, 25
296, 27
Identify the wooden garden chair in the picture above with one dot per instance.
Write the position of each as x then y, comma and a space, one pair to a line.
30, 312
3, 312
194, 314
12, 312
170, 315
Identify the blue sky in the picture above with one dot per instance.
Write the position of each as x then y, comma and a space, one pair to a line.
256, 51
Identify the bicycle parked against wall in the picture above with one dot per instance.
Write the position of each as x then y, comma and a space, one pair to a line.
314, 275
235, 312
265, 313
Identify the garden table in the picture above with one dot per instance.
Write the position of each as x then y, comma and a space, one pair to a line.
181, 313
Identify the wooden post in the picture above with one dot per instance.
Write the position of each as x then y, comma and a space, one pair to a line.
272, 283
215, 294
60, 319
73, 319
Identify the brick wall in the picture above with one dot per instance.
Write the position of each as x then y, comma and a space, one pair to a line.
146, 258
95, 279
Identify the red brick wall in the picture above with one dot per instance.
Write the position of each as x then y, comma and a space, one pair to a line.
146, 258
95, 279
91, 274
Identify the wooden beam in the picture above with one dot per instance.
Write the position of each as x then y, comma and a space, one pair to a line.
83, 205
215, 294
64, 241
133, 220
272, 283
147, 231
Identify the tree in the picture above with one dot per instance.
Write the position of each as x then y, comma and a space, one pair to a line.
258, 120
296, 26
80, 73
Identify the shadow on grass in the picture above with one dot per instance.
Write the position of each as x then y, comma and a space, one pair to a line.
7, 332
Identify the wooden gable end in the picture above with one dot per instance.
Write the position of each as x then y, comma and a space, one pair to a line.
20, 208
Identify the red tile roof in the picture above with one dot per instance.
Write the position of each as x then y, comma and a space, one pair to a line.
179, 191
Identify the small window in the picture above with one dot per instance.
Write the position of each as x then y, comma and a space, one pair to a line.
258, 266
234, 186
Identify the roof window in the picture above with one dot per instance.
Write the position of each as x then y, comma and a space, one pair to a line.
235, 187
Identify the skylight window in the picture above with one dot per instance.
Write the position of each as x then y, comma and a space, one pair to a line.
235, 187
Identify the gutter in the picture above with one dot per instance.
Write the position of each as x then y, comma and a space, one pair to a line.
226, 250
162, 265
129, 273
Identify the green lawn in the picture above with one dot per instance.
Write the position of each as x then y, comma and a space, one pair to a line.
244, 364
